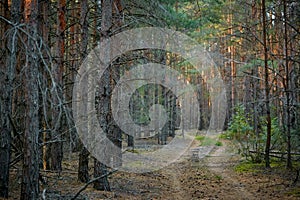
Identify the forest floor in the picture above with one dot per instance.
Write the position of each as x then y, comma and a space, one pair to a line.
193, 176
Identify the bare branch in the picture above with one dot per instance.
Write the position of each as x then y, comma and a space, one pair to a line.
92, 181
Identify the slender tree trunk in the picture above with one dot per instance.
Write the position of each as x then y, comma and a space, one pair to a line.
255, 85
130, 138
73, 57
113, 132
200, 101
132, 105
57, 71
287, 89
164, 130
7, 73
268, 113
83, 169
174, 114
99, 168
30, 178
45, 136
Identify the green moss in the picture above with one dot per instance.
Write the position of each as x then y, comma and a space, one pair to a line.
248, 167
277, 164
200, 137
294, 192
208, 141
132, 151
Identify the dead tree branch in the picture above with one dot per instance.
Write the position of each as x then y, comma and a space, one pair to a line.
92, 181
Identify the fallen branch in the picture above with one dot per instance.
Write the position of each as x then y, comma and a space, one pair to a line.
92, 181
275, 154
18, 158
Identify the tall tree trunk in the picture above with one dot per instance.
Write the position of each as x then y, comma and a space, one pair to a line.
7, 73
130, 138
110, 128
255, 88
266, 72
57, 71
74, 59
287, 88
83, 169
45, 136
200, 101
30, 178
106, 24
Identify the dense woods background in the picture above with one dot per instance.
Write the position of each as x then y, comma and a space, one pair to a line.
255, 44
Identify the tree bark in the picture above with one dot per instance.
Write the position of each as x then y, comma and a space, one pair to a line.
266, 73
287, 89
106, 24
57, 71
108, 125
100, 170
43, 26
30, 178
83, 169
6, 85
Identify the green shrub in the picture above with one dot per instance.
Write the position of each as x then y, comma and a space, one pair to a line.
239, 127
241, 131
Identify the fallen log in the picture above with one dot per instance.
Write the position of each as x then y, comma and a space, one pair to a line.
276, 153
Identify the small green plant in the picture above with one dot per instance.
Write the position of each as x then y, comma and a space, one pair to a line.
225, 136
218, 177
200, 137
219, 143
